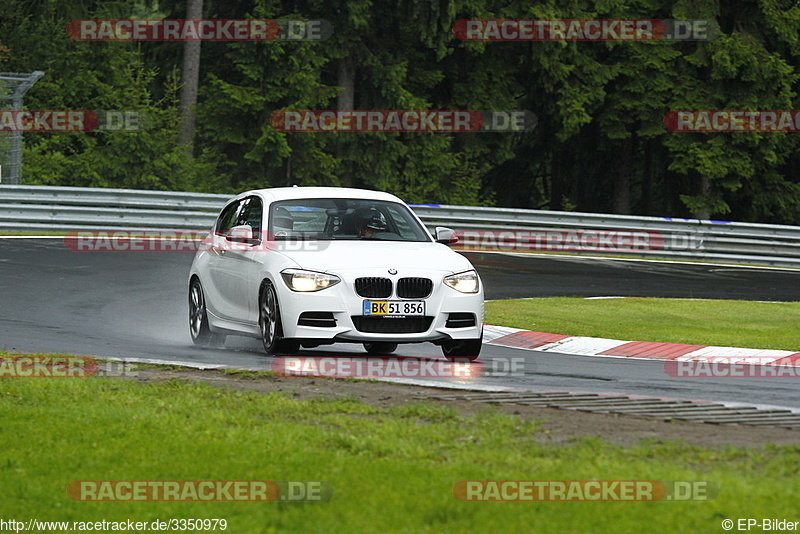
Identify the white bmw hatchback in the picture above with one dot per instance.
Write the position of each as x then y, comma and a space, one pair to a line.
310, 266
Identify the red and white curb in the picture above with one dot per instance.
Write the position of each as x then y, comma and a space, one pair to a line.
641, 350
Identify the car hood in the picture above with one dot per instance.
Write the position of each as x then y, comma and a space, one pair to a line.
341, 256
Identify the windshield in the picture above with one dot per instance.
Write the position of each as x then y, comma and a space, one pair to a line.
344, 218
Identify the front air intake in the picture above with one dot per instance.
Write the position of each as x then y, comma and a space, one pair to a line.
460, 320
390, 325
318, 319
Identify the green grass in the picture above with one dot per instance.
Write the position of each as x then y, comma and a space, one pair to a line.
390, 470
248, 374
155, 367
768, 325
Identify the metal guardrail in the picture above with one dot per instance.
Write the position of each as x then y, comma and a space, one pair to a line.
619, 235
44, 208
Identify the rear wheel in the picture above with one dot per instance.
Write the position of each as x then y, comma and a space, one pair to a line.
202, 335
380, 348
269, 321
468, 349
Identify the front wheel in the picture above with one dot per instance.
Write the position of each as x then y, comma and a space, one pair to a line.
468, 349
269, 320
201, 333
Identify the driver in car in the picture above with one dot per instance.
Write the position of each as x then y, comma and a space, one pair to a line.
371, 223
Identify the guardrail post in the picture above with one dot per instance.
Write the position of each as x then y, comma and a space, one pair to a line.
18, 83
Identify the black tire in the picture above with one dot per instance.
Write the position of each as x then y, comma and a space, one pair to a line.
468, 349
380, 348
201, 333
269, 321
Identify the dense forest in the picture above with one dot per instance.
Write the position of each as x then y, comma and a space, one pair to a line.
600, 144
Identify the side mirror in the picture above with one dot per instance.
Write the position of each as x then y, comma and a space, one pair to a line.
241, 234
446, 236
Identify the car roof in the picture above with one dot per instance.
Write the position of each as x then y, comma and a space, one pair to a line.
289, 193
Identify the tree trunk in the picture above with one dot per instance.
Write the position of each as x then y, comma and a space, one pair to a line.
190, 77
557, 178
345, 78
649, 177
622, 181
705, 185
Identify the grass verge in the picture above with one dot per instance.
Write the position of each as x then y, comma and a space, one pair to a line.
390, 470
737, 323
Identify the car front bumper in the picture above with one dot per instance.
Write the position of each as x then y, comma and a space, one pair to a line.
346, 308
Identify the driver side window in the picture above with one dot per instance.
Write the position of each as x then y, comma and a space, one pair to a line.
251, 214
227, 219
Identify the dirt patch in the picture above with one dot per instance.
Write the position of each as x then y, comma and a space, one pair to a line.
558, 426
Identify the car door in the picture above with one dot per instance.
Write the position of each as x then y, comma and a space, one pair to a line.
236, 264
221, 286
242, 263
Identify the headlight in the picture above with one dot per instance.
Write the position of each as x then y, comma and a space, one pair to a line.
466, 282
305, 281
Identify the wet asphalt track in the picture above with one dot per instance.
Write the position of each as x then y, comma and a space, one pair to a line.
133, 305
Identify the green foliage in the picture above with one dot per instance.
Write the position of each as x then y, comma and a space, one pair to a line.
600, 105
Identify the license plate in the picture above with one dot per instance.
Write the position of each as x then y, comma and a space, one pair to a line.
394, 308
